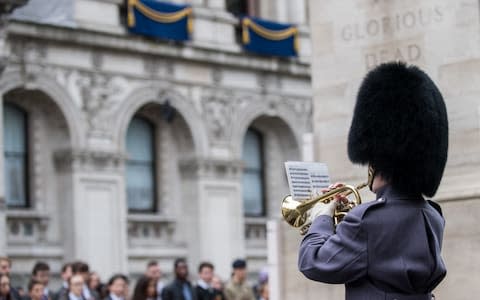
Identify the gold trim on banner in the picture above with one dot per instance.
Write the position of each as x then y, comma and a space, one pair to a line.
158, 16
274, 35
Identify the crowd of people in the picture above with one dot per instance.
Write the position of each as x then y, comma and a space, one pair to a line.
80, 283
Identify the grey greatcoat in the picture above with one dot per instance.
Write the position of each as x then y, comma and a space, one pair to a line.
384, 249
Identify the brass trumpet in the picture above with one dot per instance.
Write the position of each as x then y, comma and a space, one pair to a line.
295, 212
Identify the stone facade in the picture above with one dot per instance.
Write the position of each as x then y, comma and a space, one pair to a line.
81, 87
442, 37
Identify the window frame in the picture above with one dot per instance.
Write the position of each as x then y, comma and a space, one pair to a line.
263, 200
26, 121
154, 207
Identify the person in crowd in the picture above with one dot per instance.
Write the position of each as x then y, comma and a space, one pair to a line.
264, 292
6, 268
217, 286
75, 288
21, 292
203, 288
145, 289
81, 268
180, 288
5, 290
95, 284
154, 272
41, 273
262, 279
5, 265
65, 275
94, 281
35, 290
117, 287
237, 288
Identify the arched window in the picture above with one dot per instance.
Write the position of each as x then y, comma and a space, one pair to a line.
15, 143
253, 181
140, 168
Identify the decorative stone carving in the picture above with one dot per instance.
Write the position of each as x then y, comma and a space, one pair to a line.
96, 94
302, 107
6, 7
99, 96
34, 52
31, 57
219, 106
27, 51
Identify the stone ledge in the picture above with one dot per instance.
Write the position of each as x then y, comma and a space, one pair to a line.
163, 252
152, 218
142, 45
256, 253
88, 160
37, 251
215, 168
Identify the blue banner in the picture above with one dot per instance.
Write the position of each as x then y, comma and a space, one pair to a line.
269, 38
159, 19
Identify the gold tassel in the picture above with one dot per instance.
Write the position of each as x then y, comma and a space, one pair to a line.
189, 22
131, 15
245, 34
296, 41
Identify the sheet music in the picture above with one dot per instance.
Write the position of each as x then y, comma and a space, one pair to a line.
306, 178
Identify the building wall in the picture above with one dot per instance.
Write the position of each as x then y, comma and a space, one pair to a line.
84, 84
442, 37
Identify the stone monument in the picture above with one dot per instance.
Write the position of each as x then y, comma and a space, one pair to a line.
442, 37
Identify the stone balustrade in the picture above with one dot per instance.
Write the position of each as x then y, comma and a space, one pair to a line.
146, 229
26, 227
256, 232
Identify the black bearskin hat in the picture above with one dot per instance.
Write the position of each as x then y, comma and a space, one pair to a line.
400, 128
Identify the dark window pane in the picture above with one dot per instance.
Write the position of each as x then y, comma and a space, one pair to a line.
253, 184
15, 154
140, 168
237, 7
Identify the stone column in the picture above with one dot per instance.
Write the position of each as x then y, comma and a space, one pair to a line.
442, 37
297, 12
95, 209
281, 7
216, 212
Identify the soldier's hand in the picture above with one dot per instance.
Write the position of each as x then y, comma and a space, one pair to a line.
322, 209
328, 209
338, 198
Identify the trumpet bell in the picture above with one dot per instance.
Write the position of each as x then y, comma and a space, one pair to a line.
290, 213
